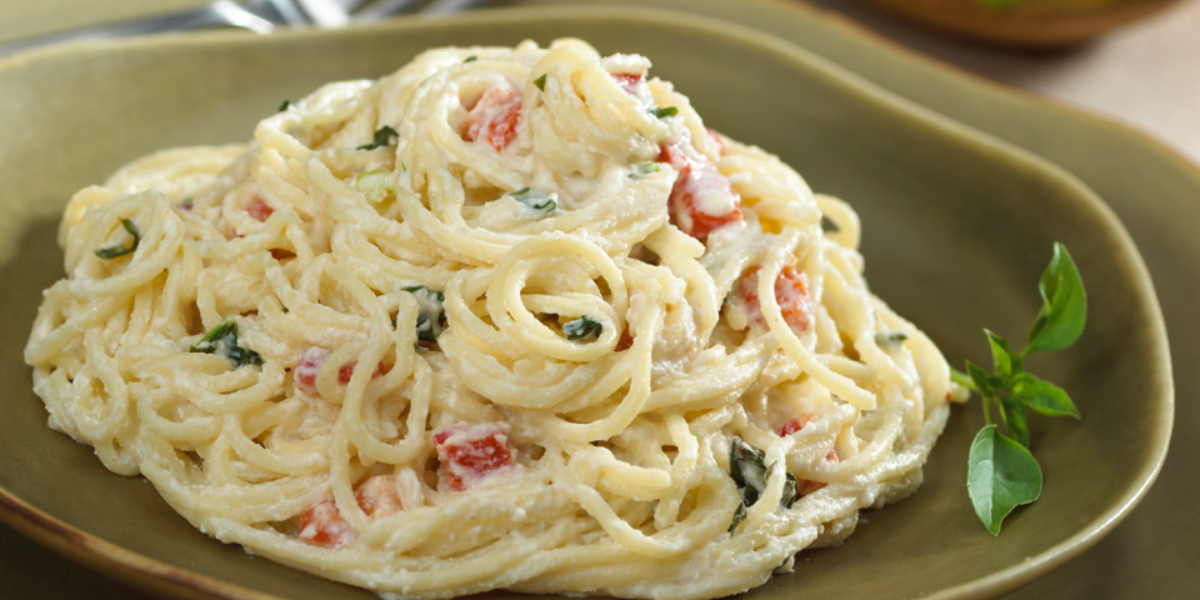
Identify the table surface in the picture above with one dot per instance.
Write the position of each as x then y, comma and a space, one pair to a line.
1144, 75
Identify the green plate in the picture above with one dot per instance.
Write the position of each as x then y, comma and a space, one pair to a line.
957, 229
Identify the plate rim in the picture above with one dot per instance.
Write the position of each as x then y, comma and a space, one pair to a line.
132, 568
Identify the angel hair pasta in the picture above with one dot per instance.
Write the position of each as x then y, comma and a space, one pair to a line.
506, 318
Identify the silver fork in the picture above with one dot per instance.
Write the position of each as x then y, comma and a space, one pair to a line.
259, 16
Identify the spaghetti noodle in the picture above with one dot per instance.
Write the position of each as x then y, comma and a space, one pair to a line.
506, 318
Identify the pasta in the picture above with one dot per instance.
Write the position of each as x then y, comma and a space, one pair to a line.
506, 318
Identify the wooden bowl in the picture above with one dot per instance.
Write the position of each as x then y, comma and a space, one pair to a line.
1031, 24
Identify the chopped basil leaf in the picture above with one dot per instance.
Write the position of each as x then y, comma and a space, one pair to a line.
582, 328
892, 338
540, 82
471, 58
662, 113
749, 471
642, 170
223, 341
115, 251
431, 315
286, 105
536, 200
187, 204
739, 515
828, 226
384, 136
791, 486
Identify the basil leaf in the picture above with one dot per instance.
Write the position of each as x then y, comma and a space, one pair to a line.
1004, 362
791, 491
582, 328
663, 113
384, 136
286, 105
891, 339
642, 170
431, 315
985, 383
1016, 420
540, 82
471, 58
739, 515
115, 251
828, 226
1044, 397
1001, 476
537, 200
1064, 305
222, 341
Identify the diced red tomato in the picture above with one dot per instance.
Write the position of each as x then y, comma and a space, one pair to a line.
259, 210
626, 341
347, 371
494, 118
628, 81
378, 498
796, 424
310, 363
306, 371
323, 524
473, 453
702, 200
791, 293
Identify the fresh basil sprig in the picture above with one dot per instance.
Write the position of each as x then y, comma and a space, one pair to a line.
115, 251
384, 136
1002, 474
223, 341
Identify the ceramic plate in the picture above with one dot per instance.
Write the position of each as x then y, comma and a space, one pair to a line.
957, 229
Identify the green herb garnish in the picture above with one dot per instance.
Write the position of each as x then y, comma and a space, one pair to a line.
537, 200
642, 170
384, 136
115, 251
540, 82
828, 226
748, 469
582, 328
375, 185
471, 58
286, 105
662, 113
1002, 474
187, 204
431, 318
223, 341
892, 338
